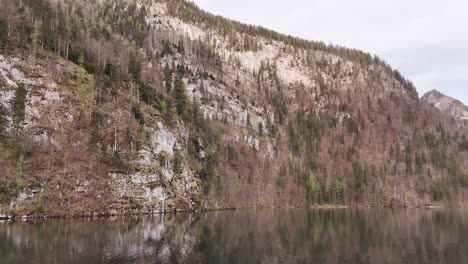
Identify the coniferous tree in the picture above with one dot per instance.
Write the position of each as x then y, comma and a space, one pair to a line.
35, 38
3, 121
4, 34
86, 93
182, 99
134, 67
314, 189
168, 78
18, 106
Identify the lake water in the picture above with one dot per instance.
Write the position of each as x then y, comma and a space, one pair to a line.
245, 236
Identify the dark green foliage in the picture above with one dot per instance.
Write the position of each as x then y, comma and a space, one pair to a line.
61, 29
360, 180
3, 121
134, 68
178, 165
439, 158
272, 127
194, 147
216, 137
314, 189
109, 21
167, 50
209, 141
168, 78
409, 160
353, 126
18, 163
407, 84
250, 44
40, 7
419, 163
281, 177
128, 137
110, 70
443, 190
18, 105
409, 116
136, 111
147, 94
208, 56
4, 36
181, 99
80, 58
96, 137
431, 140
232, 156
209, 173
343, 107
180, 69
117, 160
338, 191
197, 115
304, 132
49, 36
293, 139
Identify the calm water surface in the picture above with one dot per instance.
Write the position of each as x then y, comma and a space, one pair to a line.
245, 236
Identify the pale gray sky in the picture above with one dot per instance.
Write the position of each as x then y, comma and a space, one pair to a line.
427, 40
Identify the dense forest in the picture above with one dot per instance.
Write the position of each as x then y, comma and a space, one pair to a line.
135, 75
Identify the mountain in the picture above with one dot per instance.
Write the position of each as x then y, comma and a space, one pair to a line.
113, 107
456, 109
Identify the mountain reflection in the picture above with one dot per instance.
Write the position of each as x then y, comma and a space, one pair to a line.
245, 236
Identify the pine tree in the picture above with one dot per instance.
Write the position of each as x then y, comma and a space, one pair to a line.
35, 38
338, 190
18, 106
196, 111
67, 32
3, 121
134, 68
4, 34
178, 163
86, 93
182, 99
168, 78
314, 189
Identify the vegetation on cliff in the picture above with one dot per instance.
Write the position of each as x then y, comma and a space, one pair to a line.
156, 105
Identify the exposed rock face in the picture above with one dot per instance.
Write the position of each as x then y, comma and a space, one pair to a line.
454, 108
218, 118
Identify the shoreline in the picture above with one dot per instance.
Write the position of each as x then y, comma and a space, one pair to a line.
5, 217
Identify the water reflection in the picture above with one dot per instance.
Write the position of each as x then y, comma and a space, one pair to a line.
245, 236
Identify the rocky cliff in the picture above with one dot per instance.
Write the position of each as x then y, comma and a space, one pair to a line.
147, 106
454, 108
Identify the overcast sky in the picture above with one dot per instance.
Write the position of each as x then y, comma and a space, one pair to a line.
426, 40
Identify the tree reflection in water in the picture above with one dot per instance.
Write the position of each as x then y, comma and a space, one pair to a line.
245, 236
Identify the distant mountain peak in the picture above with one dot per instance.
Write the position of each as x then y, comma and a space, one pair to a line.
453, 107
434, 91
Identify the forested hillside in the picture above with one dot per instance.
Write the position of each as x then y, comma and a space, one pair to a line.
116, 106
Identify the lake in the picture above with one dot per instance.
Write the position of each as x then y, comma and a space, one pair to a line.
245, 236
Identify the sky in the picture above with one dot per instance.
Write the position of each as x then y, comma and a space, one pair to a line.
426, 40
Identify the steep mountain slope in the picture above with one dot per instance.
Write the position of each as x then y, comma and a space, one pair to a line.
454, 108
142, 106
